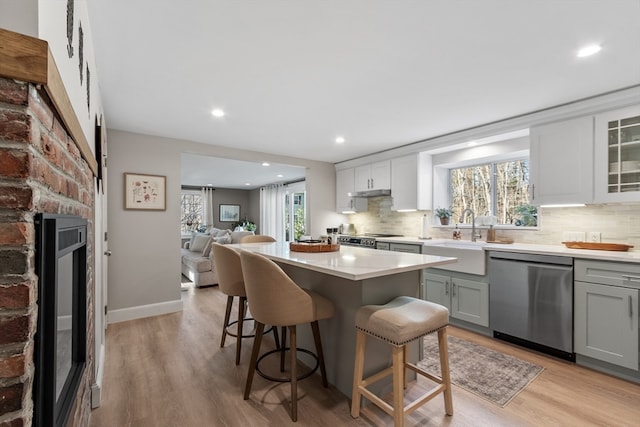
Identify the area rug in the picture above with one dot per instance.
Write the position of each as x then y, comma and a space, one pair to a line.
494, 376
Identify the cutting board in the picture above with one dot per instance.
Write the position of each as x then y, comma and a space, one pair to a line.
598, 246
313, 247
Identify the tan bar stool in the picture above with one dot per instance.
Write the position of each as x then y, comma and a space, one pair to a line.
400, 321
275, 299
231, 282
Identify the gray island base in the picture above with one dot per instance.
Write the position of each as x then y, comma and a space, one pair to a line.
351, 278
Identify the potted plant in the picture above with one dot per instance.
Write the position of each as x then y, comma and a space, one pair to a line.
444, 214
244, 225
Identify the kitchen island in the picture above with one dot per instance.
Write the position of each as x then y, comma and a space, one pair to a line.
350, 278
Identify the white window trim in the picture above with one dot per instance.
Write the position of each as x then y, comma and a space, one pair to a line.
508, 150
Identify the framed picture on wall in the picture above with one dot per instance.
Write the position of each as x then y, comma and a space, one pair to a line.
144, 192
229, 213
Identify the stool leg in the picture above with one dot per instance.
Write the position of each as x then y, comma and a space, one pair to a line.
254, 359
294, 374
283, 348
444, 368
241, 311
398, 386
275, 336
358, 370
227, 315
404, 367
318, 341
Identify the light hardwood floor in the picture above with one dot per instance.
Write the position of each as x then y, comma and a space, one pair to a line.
170, 371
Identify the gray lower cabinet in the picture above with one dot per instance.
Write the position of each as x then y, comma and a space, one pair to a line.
466, 299
606, 312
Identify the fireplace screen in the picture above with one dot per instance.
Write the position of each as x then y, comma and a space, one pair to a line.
60, 341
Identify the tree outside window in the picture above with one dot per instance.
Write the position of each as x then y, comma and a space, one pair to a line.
500, 189
295, 215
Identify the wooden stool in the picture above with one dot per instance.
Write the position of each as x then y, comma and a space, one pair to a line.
399, 322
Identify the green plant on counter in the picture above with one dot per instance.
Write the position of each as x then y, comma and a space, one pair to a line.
444, 212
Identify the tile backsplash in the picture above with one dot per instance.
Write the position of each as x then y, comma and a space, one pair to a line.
616, 223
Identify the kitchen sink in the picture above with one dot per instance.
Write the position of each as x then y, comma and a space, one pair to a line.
471, 256
461, 244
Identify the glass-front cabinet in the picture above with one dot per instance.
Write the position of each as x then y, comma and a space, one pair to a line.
617, 162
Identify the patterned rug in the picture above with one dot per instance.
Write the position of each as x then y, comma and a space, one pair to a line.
494, 376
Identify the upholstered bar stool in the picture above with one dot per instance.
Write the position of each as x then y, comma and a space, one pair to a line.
400, 321
231, 282
275, 299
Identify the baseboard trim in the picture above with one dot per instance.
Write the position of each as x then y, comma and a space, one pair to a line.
139, 312
96, 388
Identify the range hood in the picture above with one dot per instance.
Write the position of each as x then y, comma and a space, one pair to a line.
373, 193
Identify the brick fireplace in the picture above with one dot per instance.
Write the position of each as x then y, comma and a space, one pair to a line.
41, 171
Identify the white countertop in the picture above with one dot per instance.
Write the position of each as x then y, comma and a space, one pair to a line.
561, 250
349, 262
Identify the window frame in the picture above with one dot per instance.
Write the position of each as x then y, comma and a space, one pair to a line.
194, 193
496, 152
493, 168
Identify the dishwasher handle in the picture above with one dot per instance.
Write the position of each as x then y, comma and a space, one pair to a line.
530, 258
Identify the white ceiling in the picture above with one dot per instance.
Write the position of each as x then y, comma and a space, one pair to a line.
227, 173
292, 75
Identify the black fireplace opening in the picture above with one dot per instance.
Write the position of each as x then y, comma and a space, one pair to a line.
61, 337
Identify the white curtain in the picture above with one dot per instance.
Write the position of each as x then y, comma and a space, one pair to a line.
272, 211
207, 206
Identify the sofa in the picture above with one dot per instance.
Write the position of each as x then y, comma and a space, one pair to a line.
197, 257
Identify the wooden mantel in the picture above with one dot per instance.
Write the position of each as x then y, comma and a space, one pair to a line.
29, 59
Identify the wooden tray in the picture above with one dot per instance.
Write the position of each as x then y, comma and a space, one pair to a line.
501, 241
313, 247
598, 246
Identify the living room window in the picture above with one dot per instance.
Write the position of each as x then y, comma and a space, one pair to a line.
191, 210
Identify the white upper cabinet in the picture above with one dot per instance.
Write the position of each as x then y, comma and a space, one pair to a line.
561, 162
617, 161
411, 184
375, 176
345, 202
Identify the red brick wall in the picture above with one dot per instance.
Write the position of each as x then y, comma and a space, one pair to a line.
41, 170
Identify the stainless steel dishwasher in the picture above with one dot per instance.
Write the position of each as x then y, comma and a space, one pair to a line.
531, 301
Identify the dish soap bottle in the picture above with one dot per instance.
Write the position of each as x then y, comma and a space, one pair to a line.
491, 234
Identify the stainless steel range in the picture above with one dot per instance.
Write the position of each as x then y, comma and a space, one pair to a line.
366, 241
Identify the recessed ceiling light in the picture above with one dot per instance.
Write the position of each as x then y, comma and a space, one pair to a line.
209, 185
217, 113
266, 164
280, 175
589, 50
247, 183
340, 139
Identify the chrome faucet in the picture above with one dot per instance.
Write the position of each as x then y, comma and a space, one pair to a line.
474, 236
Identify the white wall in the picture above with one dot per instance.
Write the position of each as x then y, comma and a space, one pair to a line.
144, 270
52, 27
20, 16
321, 199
